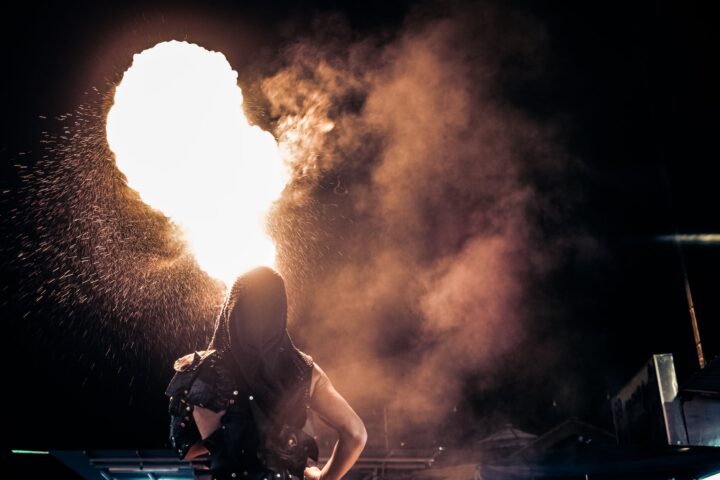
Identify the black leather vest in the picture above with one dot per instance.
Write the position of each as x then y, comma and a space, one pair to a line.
248, 444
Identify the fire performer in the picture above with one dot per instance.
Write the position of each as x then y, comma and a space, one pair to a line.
244, 400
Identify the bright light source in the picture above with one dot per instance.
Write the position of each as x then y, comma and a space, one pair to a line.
180, 136
699, 238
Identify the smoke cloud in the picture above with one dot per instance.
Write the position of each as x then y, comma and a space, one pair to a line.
410, 233
413, 234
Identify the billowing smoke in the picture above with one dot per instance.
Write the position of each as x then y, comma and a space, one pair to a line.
413, 234
411, 231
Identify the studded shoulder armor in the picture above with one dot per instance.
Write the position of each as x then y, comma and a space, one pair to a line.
200, 379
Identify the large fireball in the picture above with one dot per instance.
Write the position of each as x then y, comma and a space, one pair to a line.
180, 136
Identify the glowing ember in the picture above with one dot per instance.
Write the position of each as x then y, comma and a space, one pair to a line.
179, 134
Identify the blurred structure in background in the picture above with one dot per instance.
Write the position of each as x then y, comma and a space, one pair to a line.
652, 410
663, 430
647, 410
700, 401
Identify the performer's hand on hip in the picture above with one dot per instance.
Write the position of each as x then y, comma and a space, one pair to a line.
313, 473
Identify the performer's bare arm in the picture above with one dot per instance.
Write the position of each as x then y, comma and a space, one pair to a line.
332, 408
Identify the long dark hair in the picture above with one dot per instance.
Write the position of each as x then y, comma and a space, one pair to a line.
251, 331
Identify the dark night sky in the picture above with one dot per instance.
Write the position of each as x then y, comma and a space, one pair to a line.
633, 84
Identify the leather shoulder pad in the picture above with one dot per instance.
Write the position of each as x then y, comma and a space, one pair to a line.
307, 359
213, 385
191, 360
187, 368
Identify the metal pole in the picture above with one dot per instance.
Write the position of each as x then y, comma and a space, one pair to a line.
691, 306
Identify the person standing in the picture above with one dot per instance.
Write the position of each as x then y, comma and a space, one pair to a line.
244, 400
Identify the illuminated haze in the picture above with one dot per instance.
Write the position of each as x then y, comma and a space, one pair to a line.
412, 238
411, 228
